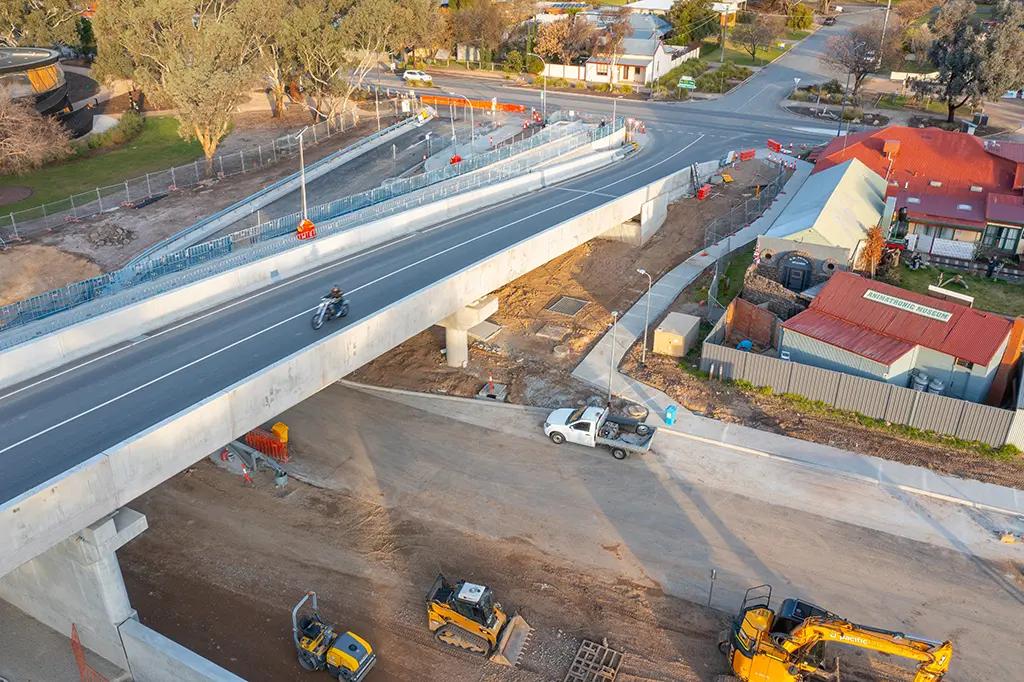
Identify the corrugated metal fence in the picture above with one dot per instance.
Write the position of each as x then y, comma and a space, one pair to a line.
876, 399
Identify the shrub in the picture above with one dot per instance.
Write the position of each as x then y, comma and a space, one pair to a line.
557, 83
624, 88
853, 114
127, 128
513, 62
833, 87
534, 65
603, 87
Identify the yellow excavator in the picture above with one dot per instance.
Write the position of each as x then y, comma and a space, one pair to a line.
788, 646
465, 615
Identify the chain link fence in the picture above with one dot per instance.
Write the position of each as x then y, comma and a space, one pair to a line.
722, 228
208, 258
138, 191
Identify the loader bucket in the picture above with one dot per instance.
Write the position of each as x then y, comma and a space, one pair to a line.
512, 642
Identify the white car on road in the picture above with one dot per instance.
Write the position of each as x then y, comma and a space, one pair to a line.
414, 75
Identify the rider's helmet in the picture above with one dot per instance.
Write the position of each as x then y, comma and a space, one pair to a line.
335, 292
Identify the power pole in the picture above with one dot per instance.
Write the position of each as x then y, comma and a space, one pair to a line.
885, 24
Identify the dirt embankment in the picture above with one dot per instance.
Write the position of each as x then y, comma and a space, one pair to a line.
538, 348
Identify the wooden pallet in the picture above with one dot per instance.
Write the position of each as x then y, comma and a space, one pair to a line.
594, 663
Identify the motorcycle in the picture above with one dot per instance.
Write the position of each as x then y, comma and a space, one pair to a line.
327, 311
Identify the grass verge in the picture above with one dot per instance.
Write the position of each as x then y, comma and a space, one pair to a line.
156, 148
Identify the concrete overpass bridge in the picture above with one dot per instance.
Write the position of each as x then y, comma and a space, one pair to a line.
82, 438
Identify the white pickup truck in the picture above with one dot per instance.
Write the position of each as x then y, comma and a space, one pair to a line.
593, 426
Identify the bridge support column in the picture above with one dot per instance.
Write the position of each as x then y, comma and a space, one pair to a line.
79, 581
457, 326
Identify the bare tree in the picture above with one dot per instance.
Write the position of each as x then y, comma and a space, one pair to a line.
612, 35
566, 40
759, 34
27, 139
856, 52
39, 22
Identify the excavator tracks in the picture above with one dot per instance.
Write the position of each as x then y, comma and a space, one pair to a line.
457, 637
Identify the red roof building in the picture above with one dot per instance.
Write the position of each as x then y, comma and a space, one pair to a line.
883, 332
951, 185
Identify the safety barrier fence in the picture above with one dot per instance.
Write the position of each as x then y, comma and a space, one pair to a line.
151, 277
140, 190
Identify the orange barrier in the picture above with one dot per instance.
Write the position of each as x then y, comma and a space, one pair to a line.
774, 146
267, 443
440, 100
704, 192
747, 154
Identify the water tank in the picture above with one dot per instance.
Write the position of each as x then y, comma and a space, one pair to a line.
919, 381
935, 386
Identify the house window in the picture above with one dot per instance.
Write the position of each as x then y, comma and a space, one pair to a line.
1003, 238
966, 364
602, 69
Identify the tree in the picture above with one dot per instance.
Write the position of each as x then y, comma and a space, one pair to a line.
565, 41
277, 54
480, 24
27, 139
609, 42
759, 34
974, 67
201, 57
692, 20
872, 251
856, 52
39, 22
514, 62
800, 17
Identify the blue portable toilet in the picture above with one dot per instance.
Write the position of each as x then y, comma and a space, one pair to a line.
670, 415
745, 345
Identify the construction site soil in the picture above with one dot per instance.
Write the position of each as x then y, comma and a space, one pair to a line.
224, 562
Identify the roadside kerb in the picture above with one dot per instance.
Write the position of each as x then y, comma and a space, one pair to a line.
128, 322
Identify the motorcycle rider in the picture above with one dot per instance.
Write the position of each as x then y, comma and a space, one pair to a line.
337, 297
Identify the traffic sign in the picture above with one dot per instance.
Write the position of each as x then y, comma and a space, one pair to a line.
306, 229
686, 83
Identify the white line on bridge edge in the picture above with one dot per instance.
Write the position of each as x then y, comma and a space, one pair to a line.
309, 310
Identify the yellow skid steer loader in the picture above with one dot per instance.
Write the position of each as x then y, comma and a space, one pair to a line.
465, 615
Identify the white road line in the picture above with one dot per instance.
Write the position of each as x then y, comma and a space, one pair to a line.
583, 191
309, 310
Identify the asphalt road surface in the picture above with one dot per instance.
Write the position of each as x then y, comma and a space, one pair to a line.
68, 416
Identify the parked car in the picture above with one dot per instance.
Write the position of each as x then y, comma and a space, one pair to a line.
829, 21
413, 75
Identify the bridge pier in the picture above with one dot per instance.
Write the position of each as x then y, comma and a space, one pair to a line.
457, 326
79, 581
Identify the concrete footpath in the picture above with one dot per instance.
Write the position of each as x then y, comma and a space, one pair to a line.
594, 368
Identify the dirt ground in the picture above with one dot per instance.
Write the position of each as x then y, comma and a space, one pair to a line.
223, 564
107, 241
603, 273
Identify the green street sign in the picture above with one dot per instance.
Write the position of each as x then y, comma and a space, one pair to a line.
686, 83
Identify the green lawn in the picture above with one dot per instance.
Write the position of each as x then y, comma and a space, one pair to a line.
731, 283
998, 297
737, 55
796, 35
902, 102
156, 148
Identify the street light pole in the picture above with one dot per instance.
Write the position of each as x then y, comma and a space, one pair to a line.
472, 124
647, 315
885, 24
544, 90
842, 112
302, 171
611, 356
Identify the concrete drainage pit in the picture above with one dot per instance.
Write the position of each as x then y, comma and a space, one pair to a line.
567, 305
